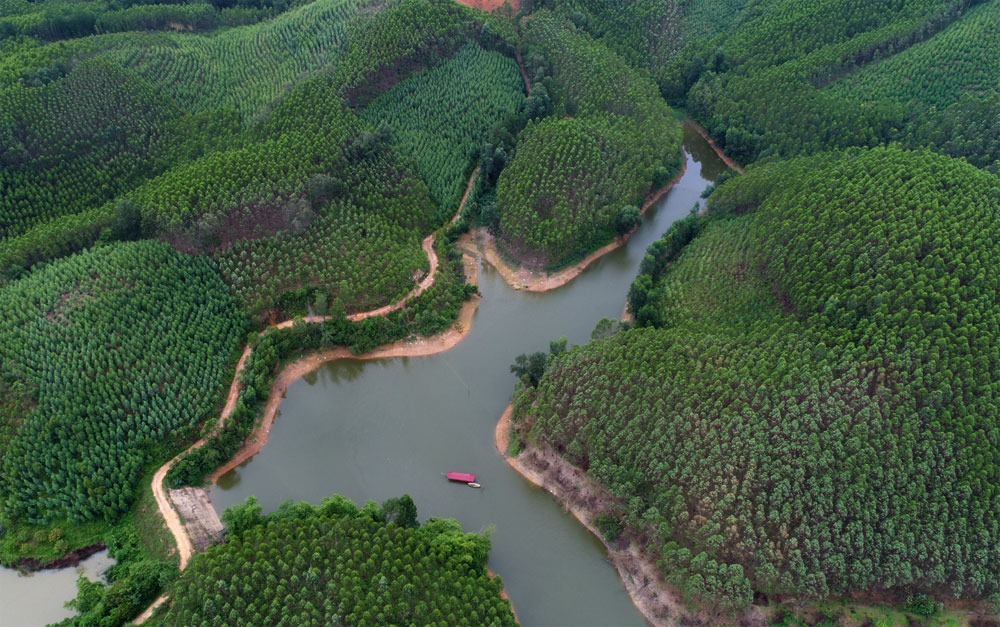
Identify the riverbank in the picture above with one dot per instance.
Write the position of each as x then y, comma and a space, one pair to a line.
481, 243
290, 373
504, 595
657, 600
711, 143
583, 498
31, 564
295, 370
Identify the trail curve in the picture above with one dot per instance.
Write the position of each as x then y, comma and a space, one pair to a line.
185, 548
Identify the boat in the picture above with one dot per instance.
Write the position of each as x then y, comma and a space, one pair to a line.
464, 477
473, 484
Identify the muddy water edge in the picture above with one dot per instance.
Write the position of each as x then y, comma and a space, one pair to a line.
378, 429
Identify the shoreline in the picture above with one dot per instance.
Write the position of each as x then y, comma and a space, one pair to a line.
295, 370
656, 600
711, 143
73, 558
482, 244
653, 598
504, 595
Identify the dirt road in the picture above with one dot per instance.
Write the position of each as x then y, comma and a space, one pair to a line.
426, 346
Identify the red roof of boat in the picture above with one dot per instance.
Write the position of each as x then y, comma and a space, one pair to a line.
461, 476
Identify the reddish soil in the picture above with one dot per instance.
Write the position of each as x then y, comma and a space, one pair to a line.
423, 346
659, 602
306, 364
583, 498
504, 595
491, 5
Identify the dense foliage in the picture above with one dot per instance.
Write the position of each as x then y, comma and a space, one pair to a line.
434, 311
336, 564
105, 354
66, 19
311, 197
133, 582
774, 82
74, 143
816, 391
244, 144
962, 58
569, 179
442, 116
241, 68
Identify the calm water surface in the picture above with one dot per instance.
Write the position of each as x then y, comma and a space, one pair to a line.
378, 429
38, 598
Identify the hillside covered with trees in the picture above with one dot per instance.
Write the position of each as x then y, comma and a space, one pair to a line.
803, 407
86, 398
168, 187
815, 390
336, 564
608, 141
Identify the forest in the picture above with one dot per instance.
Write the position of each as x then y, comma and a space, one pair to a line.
833, 318
801, 407
84, 402
251, 188
148, 225
334, 563
607, 141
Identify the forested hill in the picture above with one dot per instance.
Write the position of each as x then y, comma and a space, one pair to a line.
175, 177
782, 77
577, 175
815, 390
336, 564
226, 142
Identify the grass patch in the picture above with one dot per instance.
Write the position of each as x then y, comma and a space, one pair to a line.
48, 542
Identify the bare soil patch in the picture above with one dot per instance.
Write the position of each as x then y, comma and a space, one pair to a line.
200, 518
491, 5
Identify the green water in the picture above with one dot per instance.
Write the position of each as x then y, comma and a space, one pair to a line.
378, 429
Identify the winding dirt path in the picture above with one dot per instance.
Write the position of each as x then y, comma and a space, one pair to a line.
520, 64
483, 244
298, 368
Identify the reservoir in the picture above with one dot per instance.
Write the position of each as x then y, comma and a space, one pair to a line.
37, 598
373, 430
379, 429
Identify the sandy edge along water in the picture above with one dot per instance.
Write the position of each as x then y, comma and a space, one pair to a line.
640, 574
302, 366
481, 243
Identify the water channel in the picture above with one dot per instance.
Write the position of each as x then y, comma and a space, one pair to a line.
37, 598
378, 429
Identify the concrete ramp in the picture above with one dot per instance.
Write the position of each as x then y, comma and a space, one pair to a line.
200, 519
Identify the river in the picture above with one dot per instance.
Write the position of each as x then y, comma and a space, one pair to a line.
378, 429
38, 598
